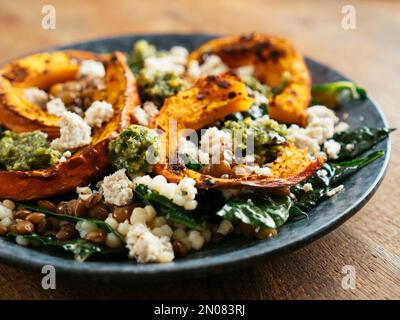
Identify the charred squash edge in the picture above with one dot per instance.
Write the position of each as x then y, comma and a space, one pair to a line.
38, 70
90, 161
260, 49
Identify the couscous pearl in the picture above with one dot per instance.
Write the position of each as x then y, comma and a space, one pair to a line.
225, 227
123, 228
84, 227
166, 230
22, 241
206, 235
112, 222
138, 215
159, 221
157, 232
166, 257
190, 205
178, 234
113, 241
9, 204
6, 222
5, 212
150, 213
196, 239
186, 242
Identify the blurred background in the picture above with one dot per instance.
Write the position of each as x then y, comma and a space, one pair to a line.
367, 53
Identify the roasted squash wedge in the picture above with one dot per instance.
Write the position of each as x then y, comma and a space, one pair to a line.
271, 56
211, 99
39, 70
87, 163
291, 166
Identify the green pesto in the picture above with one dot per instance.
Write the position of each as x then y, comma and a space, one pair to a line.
157, 86
268, 135
254, 84
141, 50
131, 149
26, 151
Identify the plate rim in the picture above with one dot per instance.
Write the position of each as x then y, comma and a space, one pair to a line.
234, 260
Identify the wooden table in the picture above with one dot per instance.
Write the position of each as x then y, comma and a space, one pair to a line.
370, 241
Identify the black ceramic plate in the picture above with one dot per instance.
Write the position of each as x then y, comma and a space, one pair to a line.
235, 252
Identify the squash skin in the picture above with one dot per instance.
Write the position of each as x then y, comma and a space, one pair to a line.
270, 56
291, 167
39, 70
88, 163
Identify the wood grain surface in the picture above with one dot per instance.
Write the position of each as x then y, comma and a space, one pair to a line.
370, 241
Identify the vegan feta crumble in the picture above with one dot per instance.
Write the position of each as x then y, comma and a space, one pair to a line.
117, 188
74, 132
91, 69
56, 107
98, 112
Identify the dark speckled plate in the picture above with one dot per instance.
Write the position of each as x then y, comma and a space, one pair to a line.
235, 252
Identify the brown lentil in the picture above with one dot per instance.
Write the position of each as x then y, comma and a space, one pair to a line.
25, 227
247, 229
67, 231
22, 214
266, 233
47, 205
122, 213
41, 228
3, 230
179, 248
53, 224
35, 217
99, 211
93, 200
97, 236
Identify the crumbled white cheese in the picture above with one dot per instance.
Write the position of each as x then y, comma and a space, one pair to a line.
350, 147
263, 171
56, 106
150, 108
213, 144
140, 116
258, 97
193, 70
188, 148
74, 132
245, 71
342, 126
117, 188
36, 96
320, 128
334, 191
182, 194
84, 193
144, 114
172, 61
322, 173
66, 155
332, 148
308, 187
91, 69
302, 140
146, 247
212, 65
98, 112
